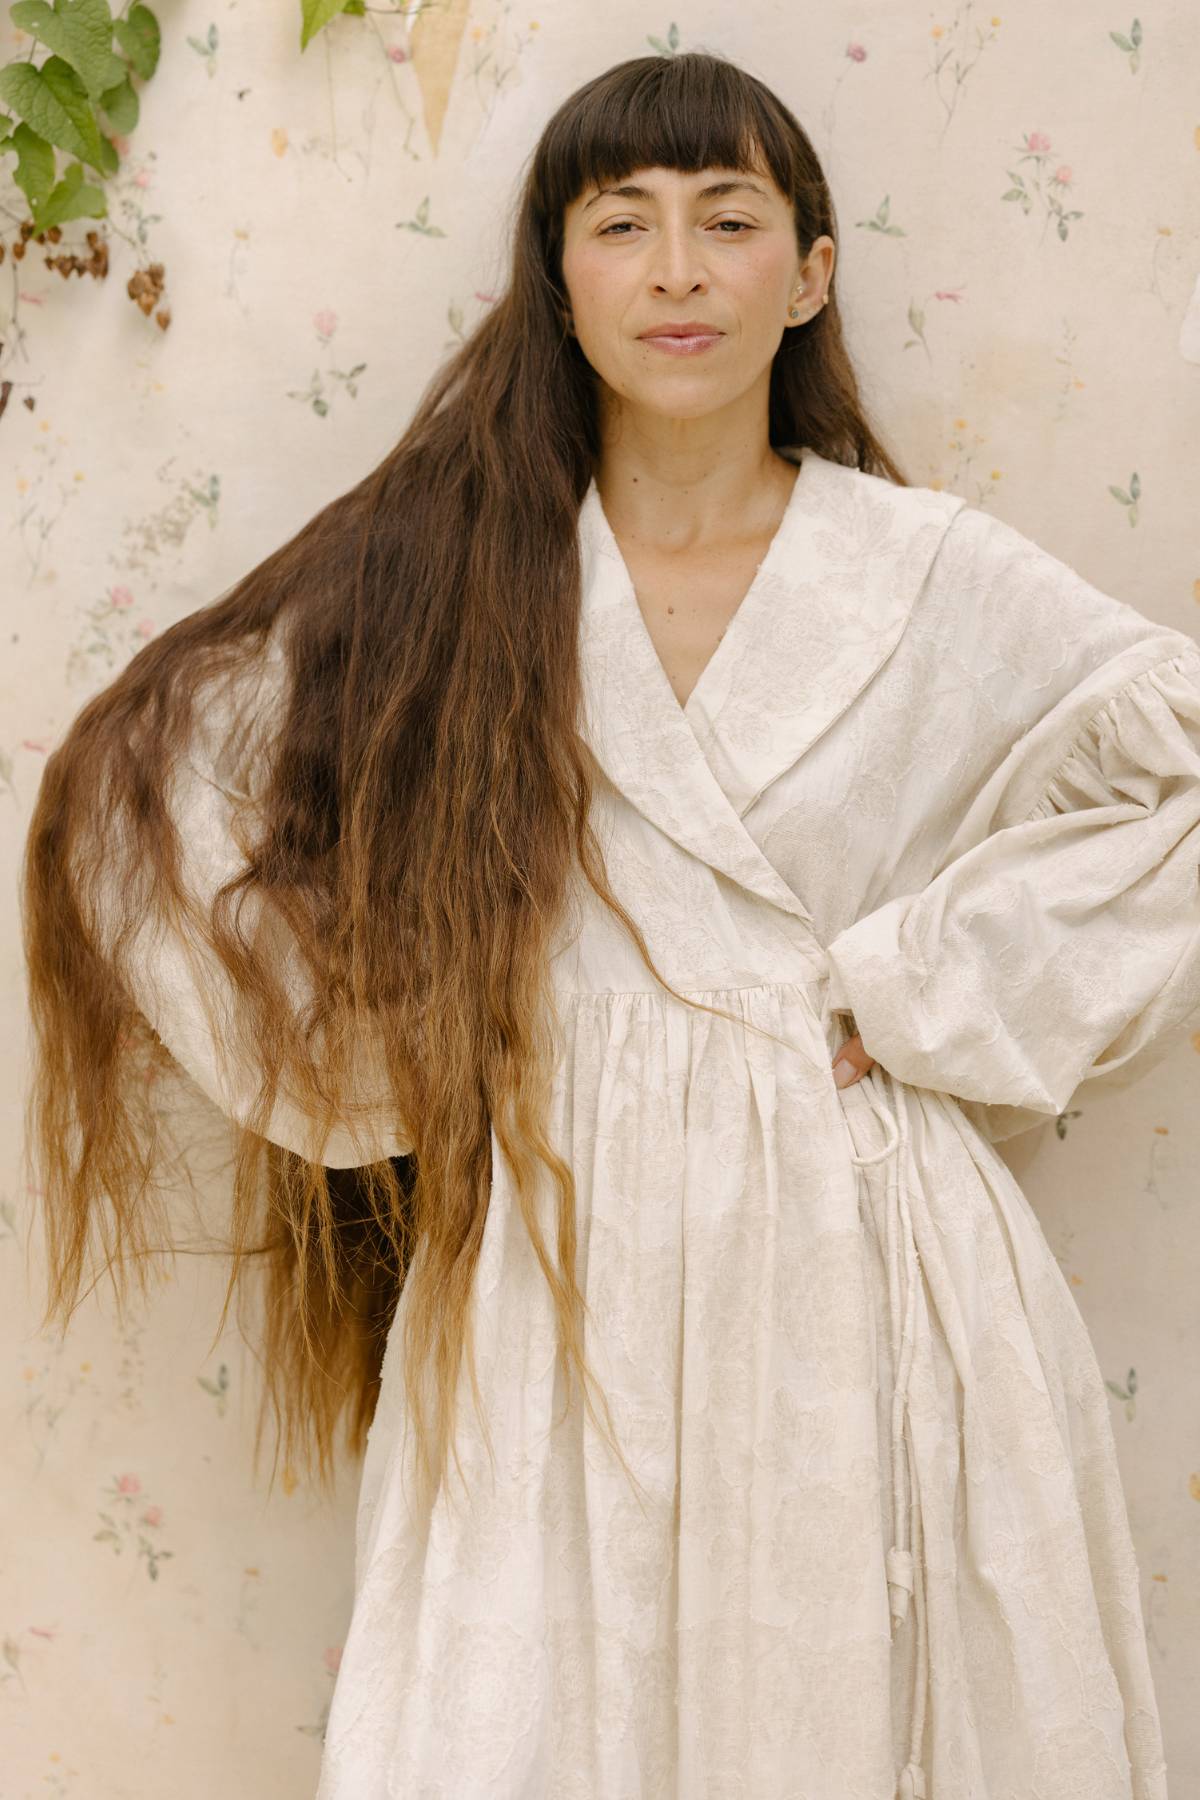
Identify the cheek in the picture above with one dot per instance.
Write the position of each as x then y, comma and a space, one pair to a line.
761, 285
592, 280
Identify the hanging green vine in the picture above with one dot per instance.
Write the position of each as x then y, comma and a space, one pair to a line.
84, 84
316, 14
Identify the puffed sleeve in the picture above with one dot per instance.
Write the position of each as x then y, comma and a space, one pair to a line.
1056, 953
184, 991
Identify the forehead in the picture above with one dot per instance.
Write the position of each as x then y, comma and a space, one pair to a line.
653, 181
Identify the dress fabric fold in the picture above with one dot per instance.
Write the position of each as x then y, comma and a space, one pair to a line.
935, 787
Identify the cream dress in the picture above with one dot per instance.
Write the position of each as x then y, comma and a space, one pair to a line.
935, 787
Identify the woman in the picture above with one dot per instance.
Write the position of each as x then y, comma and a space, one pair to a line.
508, 855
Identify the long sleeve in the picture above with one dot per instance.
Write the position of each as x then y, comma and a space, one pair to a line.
179, 984
1056, 953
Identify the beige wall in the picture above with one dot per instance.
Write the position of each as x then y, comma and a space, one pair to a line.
167, 1629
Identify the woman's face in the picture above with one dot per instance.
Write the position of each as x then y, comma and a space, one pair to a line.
662, 247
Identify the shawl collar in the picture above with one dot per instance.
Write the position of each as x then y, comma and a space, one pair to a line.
826, 608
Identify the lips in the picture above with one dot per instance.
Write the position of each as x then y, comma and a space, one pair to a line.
688, 340
690, 329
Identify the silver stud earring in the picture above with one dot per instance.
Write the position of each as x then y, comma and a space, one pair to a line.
794, 311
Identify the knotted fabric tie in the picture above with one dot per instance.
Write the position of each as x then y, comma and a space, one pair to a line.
903, 1562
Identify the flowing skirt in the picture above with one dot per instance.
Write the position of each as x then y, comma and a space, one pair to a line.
880, 1546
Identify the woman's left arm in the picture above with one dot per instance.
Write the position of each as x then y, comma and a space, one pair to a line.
1056, 952
1056, 947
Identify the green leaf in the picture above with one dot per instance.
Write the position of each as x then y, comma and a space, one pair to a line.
1120, 40
120, 106
79, 31
55, 102
315, 15
140, 39
73, 198
34, 173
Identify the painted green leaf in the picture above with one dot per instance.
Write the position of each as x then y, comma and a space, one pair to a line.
80, 32
120, 106
55, 102
315, 15
140, 39
34, 173
73, 198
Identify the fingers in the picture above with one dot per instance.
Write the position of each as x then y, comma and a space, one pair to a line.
851, 1062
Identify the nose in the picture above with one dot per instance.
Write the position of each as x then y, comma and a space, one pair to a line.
677, 264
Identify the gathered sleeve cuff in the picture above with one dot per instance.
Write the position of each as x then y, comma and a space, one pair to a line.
1059, 953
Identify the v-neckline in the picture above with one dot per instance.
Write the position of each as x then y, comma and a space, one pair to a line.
688, 708
830, 601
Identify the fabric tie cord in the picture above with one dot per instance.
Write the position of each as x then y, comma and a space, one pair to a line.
903, 1561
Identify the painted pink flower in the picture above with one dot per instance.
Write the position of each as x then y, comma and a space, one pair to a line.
145, 628
1063, 175
396, 54
856, 52
152, 1515
141, 179
42, 750
1037, 140
947, 293
333, 1658
120, 596
325, 322
128, 1484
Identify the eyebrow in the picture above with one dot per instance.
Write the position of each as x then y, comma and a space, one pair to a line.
631, 191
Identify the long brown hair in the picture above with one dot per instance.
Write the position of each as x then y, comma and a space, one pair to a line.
423, 804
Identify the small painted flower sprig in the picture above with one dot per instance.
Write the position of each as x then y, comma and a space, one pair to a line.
129, 1522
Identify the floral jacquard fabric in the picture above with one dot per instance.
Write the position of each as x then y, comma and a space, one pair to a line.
936, 787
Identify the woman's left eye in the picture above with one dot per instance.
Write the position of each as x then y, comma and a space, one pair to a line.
620, 223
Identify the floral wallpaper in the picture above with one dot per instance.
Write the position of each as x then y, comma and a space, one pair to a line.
302, 233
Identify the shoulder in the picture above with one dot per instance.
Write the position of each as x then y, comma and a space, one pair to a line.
1012, 606
848, 491
999, 619
238, 709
